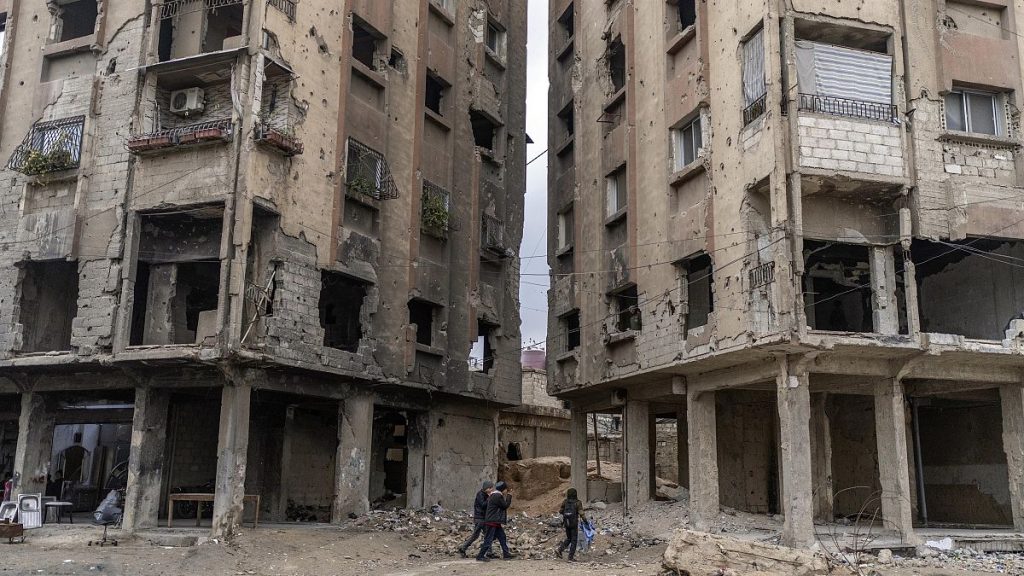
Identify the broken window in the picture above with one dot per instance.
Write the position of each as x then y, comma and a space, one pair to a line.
686, 10
484, 130
496, 39
481, 357
76, 19
615, 57
177, 277
567, 118
973, 111
754, 88
397, 61
837, 287
842, 80
567, 22
187, 30
433, 96
341, 303
628, 314
571, 328
364, 44
565, 228
970, 288
616, 192
421, 315
686, 143
48, 303
698, 274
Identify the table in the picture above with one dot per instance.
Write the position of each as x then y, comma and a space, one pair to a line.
199, 497
59, 508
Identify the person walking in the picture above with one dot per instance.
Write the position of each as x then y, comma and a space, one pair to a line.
479, 511
572, 513
494, 519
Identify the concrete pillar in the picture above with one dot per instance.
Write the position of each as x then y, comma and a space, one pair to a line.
794, 401
1011, 397
682, 449
146, 459
416, 443
352, 478
636, 469
161, 293
893, 470
578, 452
885, 311
652, 451
232, 449
821, 459
280, 476
703, 460
35, 443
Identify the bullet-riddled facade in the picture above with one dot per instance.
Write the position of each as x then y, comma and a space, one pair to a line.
795, 228
262, 247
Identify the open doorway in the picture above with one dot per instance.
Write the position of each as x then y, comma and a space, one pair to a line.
390, 455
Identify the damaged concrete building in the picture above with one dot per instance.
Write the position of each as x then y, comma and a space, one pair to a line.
276, 240
796, 228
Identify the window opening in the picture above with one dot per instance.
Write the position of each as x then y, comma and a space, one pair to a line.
340, 306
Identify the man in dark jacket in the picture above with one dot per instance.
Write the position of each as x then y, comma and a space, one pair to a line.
571, 512
496, 516
479, 511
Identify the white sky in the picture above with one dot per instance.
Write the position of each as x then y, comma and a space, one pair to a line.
534, 279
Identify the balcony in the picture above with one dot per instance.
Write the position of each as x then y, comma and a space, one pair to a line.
847, 107
200, 133
52, 146
278, 138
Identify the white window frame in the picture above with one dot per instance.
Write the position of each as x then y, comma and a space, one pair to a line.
446, 5
612, 205
965, 110
686, 149
565, 231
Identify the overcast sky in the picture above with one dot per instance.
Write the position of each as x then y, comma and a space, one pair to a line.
534, 280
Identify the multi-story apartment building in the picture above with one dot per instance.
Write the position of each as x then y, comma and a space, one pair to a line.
253, 243
797, 228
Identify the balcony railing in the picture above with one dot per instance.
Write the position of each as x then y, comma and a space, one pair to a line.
277, 137
192, 134
179, 7
285, 6
50, 147
847, 107
367, 173
492, 235
762, 275
755, 109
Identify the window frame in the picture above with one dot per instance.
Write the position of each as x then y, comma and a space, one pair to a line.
964, 95
566, 234
500, 35
612, 189
680, 158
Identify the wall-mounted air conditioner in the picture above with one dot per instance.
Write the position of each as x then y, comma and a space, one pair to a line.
187, 102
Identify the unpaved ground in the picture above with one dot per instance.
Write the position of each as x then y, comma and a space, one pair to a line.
310, 550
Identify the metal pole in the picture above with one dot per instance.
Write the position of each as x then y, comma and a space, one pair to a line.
922, 507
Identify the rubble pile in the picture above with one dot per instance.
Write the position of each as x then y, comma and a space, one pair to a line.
955, 559
694, 552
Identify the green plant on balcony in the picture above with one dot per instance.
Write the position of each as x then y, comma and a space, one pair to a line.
360, 184
435, 214
58, 157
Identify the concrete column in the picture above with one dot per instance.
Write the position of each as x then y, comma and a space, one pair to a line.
682, 449
578, 453
821, 459
232, 449
280, 476
885, 313
416, 442
352, 478
703, 460
1011, 397
146, 458
794, 401
652, 451
636, 468
35, 443
893, 470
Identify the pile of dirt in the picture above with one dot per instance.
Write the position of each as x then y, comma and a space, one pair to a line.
535, 477
695, 552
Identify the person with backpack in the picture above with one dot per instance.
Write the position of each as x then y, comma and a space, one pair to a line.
479, 511
494, 519
572, 513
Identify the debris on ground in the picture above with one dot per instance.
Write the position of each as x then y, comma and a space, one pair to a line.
691, 552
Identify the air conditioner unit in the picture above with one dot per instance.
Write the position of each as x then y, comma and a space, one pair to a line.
187, 102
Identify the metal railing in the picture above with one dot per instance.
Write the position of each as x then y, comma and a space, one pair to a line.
285, 6
762, 275
755, 109
50, 147
179, 7
367, 172
847, 107
492, 233
220, 129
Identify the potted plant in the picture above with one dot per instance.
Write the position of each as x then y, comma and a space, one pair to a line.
435, 215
